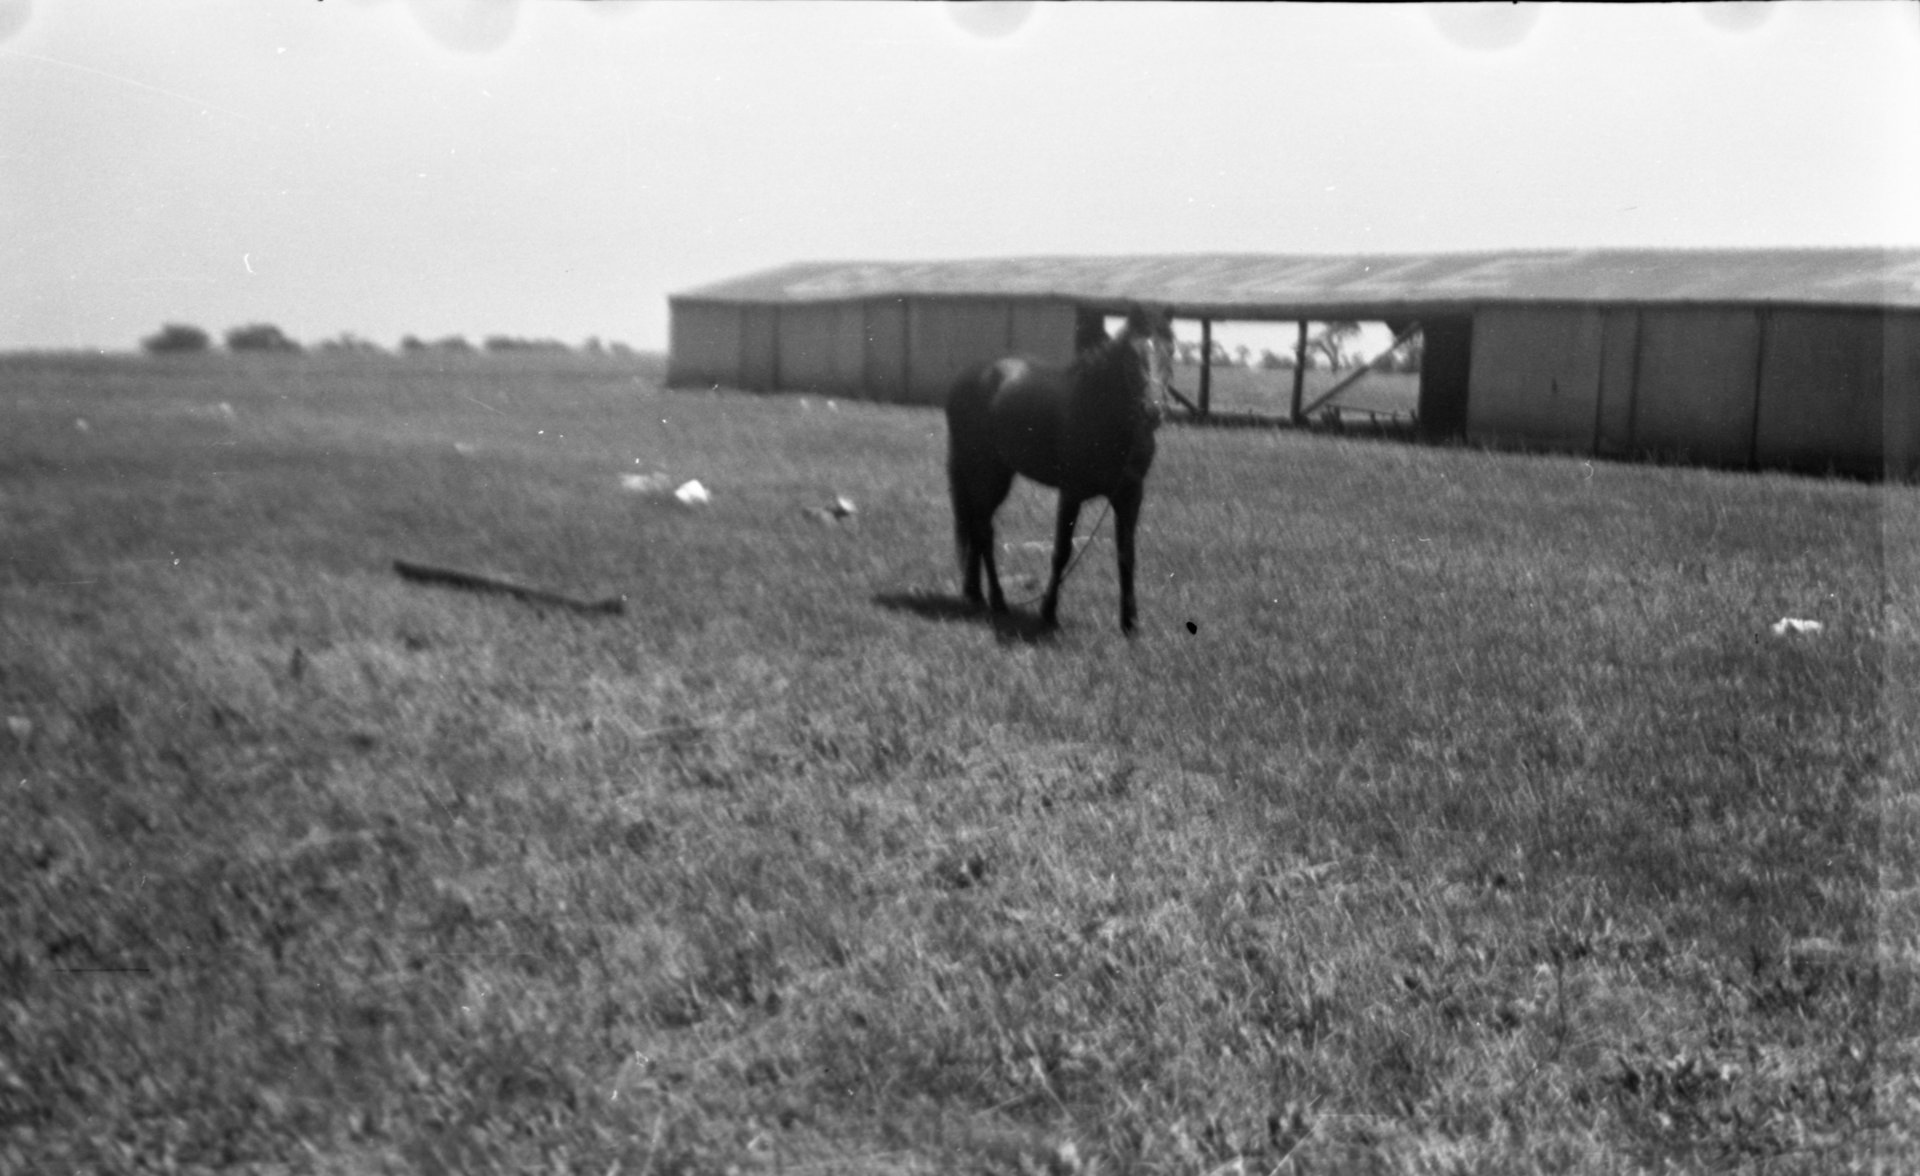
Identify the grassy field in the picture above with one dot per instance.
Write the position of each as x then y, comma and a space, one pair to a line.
1452, 812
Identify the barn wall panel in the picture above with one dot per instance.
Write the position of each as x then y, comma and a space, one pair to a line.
1696, 383
1619, 350
759, 348
886, 349
823, 348
1535, 376
850, 349
948, 335
1900, 383
1044, 331
805, 340
703, 345
1820, 390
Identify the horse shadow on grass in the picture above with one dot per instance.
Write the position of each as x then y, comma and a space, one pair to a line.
1013, 627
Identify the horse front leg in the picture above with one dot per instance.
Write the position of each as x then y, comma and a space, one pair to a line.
1126, 515
1062, 554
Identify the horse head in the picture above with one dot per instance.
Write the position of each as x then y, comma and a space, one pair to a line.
1148, 334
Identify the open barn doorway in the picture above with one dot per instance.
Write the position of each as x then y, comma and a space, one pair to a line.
1390, 375
1344, 372
1446, 358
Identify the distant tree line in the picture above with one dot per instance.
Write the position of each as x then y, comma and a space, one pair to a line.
511, 343
260, 337
257, 338
176, 339
413, 345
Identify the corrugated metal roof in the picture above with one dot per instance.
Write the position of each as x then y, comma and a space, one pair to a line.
1252, 283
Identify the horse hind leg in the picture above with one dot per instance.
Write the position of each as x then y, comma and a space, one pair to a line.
975, 500
996, 600
997, 485
964, 526
963, 545
1126, 516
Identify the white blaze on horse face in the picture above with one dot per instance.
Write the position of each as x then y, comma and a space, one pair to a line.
1157, 359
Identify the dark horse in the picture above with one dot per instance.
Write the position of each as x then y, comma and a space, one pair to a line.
1085, 429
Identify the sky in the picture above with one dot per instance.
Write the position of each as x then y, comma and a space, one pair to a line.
555, 170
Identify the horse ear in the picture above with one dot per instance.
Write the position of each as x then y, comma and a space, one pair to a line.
1149, 321
1090, 331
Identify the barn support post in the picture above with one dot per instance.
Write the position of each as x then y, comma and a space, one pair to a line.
1633, 387
1759, 381
777, 315
1299, 375
1600, 395
1206, 366
907, 352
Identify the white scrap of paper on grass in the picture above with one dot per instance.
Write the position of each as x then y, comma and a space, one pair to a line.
841, 510
1786, 625
645, 483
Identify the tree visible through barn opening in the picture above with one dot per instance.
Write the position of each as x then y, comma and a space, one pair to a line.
1253, 369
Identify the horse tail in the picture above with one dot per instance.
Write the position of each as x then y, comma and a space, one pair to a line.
957, 489
967, 446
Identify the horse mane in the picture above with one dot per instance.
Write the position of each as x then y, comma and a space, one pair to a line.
1102, 363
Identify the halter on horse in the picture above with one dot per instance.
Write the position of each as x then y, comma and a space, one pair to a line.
1085, 429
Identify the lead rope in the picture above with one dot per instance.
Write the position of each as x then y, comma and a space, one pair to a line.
1073, 563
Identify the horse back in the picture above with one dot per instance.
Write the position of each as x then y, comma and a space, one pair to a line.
1029, 417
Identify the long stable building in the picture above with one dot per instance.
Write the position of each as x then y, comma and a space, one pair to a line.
1805, 359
